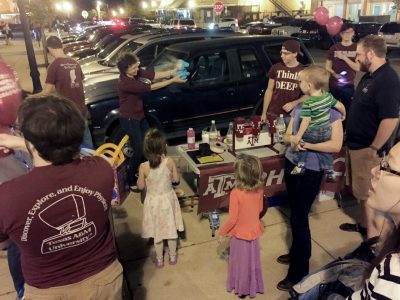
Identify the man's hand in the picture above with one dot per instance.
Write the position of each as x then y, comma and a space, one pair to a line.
371, 153
296, 139
288, 107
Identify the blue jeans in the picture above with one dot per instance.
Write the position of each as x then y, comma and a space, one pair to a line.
14, 264
302, 191
136, 130
315, 136
87, 137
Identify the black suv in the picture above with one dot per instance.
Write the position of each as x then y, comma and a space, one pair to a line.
313, 34
227, 79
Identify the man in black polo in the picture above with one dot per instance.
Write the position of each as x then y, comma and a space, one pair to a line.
373, 116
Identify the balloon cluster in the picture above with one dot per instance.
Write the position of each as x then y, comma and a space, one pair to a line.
182, 72
333, 24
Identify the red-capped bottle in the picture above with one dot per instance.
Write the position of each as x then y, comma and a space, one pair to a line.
191, 140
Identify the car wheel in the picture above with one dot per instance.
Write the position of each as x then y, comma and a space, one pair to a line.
116, 136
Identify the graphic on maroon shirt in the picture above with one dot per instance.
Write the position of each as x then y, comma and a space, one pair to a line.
286, 87
339, 66
67, 77
74, 229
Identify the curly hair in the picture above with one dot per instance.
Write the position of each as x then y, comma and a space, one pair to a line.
125, 60
54, 126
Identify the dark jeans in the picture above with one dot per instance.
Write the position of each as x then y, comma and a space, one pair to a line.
302, 191
315, 136
136, 130
14, 264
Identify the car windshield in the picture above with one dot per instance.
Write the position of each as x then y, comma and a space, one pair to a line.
167, 60
110, 48
187, 22
130, 47
104, 41
390, 28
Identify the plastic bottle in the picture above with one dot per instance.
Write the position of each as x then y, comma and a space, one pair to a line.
191, 140
213, 132
229, 135
280, 129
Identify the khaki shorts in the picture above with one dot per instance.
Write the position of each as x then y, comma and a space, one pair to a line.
360, 166
105, 285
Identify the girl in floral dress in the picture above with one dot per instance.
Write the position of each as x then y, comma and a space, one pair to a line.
161, 212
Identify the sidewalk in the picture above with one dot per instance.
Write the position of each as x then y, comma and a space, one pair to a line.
200, 274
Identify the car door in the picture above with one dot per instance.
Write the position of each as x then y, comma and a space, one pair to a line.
210, 93
252, 79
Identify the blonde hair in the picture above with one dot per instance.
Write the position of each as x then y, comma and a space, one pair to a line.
317, 76
248, 173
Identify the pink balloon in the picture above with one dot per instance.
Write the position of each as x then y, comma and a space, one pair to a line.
10, 97
321, 15
334, 25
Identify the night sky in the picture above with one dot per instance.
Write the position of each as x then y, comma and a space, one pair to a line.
90, 4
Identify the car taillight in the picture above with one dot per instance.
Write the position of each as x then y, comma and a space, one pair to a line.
236, 22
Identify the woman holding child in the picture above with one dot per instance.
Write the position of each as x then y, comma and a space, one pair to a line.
303, 188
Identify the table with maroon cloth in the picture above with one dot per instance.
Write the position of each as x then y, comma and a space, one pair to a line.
215, 180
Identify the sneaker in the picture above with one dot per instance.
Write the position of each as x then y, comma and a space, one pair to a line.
173, 260
284, 259
330, 176
297, 171
159, 263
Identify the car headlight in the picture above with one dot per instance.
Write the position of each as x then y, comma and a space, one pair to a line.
211, 26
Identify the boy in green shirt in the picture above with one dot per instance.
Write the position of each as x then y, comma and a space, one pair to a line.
315, 113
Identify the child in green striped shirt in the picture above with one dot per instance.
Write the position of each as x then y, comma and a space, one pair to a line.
315, 114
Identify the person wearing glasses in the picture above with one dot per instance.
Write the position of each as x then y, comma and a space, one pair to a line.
384, 196
133, 83
342, 66
283, 92
371, 122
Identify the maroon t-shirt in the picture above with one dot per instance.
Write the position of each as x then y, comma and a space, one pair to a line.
58, 218
131, 91
347, 74
66, 74
286, 87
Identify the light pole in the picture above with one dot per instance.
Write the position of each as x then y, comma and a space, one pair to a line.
37, 86
99, 3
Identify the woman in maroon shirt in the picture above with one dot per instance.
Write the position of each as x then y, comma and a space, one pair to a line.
133, 83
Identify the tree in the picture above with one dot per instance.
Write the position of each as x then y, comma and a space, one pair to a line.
131, 7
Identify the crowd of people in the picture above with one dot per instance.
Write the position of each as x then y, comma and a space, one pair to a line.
55, 220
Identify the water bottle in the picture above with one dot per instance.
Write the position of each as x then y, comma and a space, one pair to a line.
191, 140
229, 135
213, 132
280, 129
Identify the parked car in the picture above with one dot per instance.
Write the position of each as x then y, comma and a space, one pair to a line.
181, 24
391, 33
292, 29
231, 23
261, 28
147, 47
111, 39
227, 79
363, 29
313, 34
